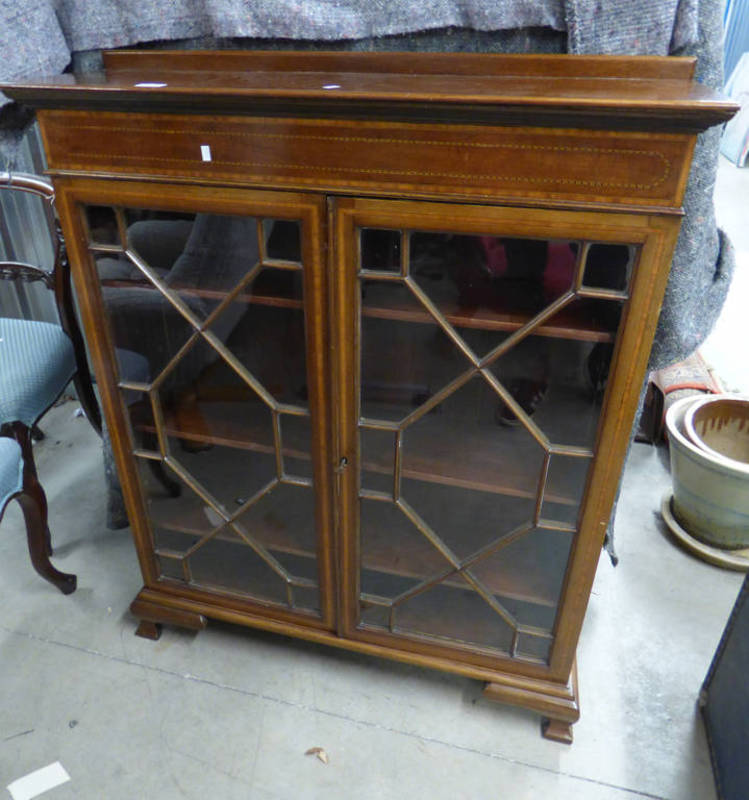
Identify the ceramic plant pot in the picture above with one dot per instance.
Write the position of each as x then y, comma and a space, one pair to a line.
720, 425
711, 491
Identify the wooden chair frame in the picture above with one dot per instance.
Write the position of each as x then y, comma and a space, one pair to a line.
32, 498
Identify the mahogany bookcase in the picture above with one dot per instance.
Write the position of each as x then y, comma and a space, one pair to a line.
370, 331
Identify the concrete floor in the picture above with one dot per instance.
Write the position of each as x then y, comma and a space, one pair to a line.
230, 712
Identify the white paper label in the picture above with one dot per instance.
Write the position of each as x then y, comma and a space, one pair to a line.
205, 152
38, 782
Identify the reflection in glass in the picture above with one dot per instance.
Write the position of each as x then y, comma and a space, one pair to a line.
296, 439
474, 274
101, 223
380, 250
282, 240
392, 387
471, 494
454, 611
376, 454
207, 319
609, 266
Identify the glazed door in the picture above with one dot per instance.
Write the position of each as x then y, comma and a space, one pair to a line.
475, 350
205, 309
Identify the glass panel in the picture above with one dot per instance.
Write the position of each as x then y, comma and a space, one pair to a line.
227, 475
459, 444
454, 611
395, 556
143, 348
377, 454
468, 519
526, 575
142, 423
176, 542
609, 266
565, 484
179, 517
307, 599
272, 286
283, 240
490, 280
206, 314
171, 568
227, 562
546, 379
492, 356
374, 615
394, 322
219, 255
380, 250
296, 443
101, 223
535, 647
268, 341
559, 381
158, 238
279, 520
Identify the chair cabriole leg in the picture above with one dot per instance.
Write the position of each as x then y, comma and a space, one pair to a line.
33, 505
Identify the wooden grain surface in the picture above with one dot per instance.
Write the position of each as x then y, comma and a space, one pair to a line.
648, 94
405, 63
457, 161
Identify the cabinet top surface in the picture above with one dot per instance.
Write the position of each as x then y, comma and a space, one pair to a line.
568, 89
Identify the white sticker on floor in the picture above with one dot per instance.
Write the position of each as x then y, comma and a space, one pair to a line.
38, 782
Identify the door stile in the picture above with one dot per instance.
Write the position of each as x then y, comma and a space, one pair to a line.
316, 297
345, 393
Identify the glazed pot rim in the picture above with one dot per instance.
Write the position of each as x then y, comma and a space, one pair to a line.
729, 465
691, 432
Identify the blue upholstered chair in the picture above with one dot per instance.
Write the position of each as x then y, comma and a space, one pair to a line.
37, 361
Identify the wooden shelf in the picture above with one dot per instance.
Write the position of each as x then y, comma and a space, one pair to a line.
529, 569
455, 617
262, 299
432, 453
471, 467
537, 583
564, 325
487, 310
457, 458
567, 324
278, 545
225, 430
531, 584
